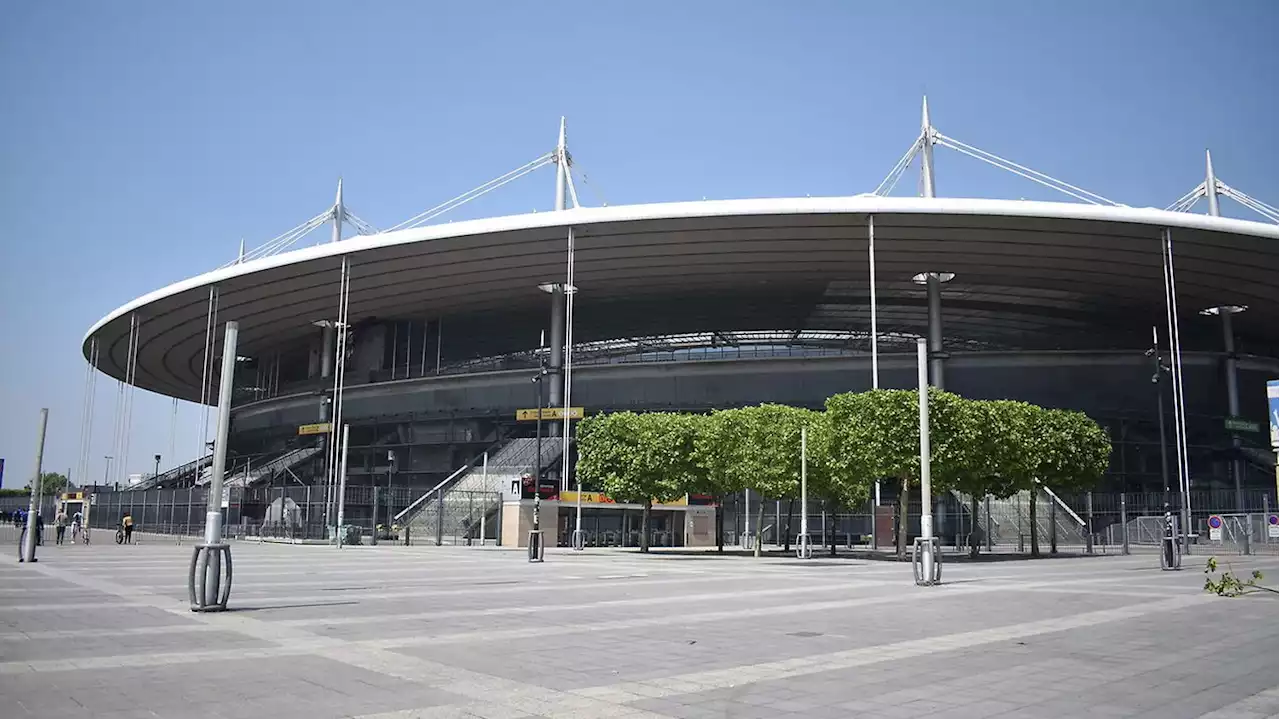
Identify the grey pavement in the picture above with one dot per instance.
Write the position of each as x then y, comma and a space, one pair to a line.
395, 632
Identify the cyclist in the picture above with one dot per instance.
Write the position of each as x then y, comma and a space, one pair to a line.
127, 524
76, 521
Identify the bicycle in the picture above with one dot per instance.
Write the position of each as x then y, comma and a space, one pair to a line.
120, 535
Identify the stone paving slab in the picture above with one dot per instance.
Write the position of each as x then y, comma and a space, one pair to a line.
395, 633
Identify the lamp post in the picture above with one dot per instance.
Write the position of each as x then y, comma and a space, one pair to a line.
157, 473
537, 461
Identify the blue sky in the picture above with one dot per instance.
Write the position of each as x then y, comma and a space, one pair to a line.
140, 141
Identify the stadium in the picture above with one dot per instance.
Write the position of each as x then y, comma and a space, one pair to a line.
427, 340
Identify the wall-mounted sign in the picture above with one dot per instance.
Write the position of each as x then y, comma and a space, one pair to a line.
1237, 424
531, 415
321, 428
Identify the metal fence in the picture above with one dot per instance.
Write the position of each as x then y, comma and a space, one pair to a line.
1076, 523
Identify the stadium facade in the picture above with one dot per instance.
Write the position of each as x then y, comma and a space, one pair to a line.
447, 330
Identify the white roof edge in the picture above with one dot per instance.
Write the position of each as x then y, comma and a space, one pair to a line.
859, 204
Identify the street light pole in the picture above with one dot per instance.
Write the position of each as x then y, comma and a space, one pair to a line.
537, 461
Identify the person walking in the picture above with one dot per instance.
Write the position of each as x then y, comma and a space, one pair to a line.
39, 529
60, 525
127, 522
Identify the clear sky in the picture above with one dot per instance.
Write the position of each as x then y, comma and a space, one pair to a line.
139, 141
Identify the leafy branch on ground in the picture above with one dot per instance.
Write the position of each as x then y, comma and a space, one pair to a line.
1228, 584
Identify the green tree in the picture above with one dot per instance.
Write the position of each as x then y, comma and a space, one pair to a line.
759, 448
877, 434
639, 458
51, 484
994, 432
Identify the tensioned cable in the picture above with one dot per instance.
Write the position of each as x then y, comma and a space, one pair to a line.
284, 239
472, 194
1024, 171
891, 180
1257, 206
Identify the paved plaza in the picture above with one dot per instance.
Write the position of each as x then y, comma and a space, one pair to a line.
394, 632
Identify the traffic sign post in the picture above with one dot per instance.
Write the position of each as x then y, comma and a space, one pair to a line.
1215, 528
1273, 526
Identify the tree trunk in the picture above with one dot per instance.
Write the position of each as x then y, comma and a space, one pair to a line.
720, 524
831, 528
1035, 531
973, 526
902, 517
759, 525
644, 525
791, 508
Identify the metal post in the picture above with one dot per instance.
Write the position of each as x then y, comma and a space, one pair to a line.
804, 549
439, 517
777, 522
1179, 402
213, 508
875, 334
33, 507
1089, 517
928, 569
987, 506
374, 541
1124, 523
342, 483
1053, 525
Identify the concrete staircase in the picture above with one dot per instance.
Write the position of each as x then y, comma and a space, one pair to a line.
453, 510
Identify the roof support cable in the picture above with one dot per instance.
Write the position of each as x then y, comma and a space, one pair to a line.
1187, 201
458, 201
361, 226
1024, 171
1257, 206
891, 180
282, 241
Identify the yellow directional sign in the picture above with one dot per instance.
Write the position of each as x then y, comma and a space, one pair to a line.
531, 415
321, 428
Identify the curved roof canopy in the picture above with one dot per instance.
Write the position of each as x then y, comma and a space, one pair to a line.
1032, 275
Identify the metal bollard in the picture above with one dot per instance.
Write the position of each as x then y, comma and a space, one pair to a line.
804, 546
535, 545
926, 562
207, 589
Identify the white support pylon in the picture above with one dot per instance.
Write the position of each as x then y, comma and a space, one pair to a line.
561, 167
926, 148
1210, 185
339, 213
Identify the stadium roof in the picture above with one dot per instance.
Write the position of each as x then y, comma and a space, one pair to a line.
1029, 274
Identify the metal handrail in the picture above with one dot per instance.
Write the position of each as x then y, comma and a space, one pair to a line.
430, 492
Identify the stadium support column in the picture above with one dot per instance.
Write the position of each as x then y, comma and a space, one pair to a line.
555, 392
1233, 402
555, 356
933, 282
934, 285
1233, 391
